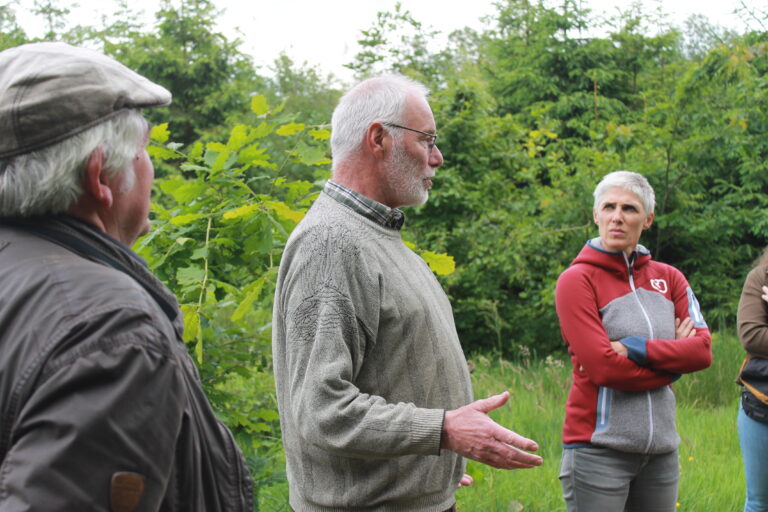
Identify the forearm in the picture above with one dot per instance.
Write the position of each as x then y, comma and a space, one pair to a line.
754, 338
593, 355
679, 356
366, 426
625, 375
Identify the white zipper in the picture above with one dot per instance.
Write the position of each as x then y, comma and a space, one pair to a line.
650, 329
637, 298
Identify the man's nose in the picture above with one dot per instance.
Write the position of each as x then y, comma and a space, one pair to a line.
435, 157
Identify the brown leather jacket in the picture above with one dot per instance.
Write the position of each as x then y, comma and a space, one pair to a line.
101, 407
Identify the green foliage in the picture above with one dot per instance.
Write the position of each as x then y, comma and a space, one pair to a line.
307, 94
11, 34
208, 75
397, 42
222, 216
54, 16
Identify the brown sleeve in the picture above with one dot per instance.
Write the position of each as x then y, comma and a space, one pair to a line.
752, 316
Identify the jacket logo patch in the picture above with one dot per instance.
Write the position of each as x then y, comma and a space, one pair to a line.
659, 285
126, 491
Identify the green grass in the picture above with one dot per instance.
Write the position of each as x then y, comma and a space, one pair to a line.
712, 477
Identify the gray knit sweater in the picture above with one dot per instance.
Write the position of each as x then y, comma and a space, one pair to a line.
366, 360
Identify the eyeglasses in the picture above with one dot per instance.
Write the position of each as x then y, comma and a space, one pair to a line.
432, 136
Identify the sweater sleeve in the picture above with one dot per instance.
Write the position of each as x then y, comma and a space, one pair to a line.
752, 316
685, 355
331, 306
588, 342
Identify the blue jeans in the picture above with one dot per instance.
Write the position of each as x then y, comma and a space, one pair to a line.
598, 479
753, 438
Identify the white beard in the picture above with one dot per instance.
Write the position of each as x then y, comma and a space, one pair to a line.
405, 179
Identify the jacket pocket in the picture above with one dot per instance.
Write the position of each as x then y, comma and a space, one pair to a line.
665, 438
636, 421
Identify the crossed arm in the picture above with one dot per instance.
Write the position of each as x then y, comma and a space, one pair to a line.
752, 317
690, 349
684, 329
634, 363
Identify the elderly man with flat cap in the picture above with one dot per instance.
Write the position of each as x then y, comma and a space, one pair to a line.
101, 407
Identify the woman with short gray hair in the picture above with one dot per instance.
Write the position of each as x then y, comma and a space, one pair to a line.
632, 326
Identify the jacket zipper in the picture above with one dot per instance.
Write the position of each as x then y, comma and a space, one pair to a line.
650, 329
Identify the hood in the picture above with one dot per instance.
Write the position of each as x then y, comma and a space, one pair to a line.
593, 254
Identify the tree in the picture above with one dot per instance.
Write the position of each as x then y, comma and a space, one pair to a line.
397, 42
208, 75
11, 34
307, 94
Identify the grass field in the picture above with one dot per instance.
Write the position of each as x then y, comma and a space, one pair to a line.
712, 477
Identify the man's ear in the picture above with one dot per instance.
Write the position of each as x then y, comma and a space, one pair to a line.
95, 179
375, 139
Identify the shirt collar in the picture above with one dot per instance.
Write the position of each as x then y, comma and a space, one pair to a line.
392, 218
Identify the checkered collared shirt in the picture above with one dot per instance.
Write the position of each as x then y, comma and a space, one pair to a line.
388, 217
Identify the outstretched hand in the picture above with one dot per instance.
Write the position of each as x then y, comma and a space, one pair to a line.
469, 432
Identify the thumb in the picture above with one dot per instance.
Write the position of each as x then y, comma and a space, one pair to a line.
486, 405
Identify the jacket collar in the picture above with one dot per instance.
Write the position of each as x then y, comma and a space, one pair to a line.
88, 242
594, 254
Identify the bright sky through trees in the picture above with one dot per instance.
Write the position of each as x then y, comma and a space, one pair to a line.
325, 33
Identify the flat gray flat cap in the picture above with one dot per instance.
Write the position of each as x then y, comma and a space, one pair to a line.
52, 91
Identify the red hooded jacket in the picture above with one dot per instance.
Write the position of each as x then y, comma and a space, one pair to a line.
626, 403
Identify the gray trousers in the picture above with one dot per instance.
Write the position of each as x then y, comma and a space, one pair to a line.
600, 479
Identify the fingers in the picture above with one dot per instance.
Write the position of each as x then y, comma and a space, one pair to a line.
515, 440
465, 481
619, 348
486, 405
505, 456
765, 293
684, 329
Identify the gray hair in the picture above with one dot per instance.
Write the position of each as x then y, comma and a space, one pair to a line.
380, 98
50, 180
627, 180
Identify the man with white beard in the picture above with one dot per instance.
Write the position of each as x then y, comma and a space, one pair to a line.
373, 389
